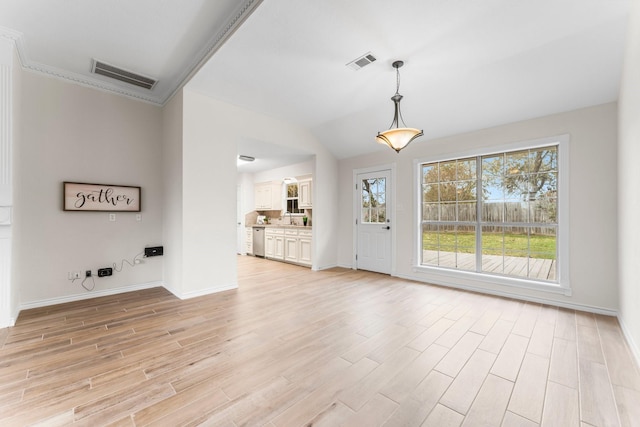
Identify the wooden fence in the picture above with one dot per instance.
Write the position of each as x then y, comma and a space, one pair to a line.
536, 212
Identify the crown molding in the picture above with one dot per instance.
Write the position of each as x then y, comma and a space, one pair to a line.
210, 48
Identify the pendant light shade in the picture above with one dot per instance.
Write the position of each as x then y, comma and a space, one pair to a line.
397, 137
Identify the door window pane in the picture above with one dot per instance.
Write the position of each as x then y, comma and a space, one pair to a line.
374, 206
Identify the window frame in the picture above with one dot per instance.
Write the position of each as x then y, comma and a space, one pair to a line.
287, 198
439, 274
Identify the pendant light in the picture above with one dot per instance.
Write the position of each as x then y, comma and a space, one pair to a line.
397, 137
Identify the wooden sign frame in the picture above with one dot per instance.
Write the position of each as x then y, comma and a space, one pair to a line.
78, 196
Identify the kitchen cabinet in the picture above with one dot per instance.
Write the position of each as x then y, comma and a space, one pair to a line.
269, 245
291, 245
278, 247
268, 196
288, 244
304, 247
249, 240
304, 194
274, 243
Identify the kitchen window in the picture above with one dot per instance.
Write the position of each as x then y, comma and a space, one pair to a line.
495, 213
292, 199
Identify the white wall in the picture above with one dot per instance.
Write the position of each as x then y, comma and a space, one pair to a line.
593, 209
225, 125
277, 174
17, 138
246, 180
73, 133
172, 193
209, 176
9, 95
628, 180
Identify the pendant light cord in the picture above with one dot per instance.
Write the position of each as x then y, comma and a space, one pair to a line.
401, 119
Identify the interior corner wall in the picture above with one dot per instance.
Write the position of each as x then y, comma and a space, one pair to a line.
73, 133
592, 201
225, 125
172, 169
628, 179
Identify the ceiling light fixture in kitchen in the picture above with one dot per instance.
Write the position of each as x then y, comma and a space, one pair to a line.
397, 137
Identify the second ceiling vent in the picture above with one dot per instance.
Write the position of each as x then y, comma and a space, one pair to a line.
107, 70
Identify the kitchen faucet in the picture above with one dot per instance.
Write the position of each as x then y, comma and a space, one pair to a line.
290, 219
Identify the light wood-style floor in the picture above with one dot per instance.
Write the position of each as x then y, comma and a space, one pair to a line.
294, 347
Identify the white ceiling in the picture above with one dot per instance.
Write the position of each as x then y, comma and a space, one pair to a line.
468, 64
268, 156
163, 39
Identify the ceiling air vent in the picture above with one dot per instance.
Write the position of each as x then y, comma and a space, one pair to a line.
107, 70
362, 61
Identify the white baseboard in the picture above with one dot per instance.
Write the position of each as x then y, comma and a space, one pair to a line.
347, 266
324, 267
88, 295
633, 345
207, 291
573, 306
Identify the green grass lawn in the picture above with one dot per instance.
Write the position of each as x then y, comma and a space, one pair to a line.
540, 246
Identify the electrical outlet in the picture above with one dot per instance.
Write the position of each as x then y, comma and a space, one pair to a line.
138, 217
71, 275
112, 217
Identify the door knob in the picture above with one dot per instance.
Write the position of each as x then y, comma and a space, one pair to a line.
386, 228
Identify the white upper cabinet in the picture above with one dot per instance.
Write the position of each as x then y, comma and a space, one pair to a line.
304, 194
268, 196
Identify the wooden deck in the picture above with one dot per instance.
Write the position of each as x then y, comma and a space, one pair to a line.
533, 268
294, 347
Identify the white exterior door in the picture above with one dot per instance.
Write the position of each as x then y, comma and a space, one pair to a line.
373, 223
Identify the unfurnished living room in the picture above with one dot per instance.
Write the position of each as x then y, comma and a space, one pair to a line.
320, 213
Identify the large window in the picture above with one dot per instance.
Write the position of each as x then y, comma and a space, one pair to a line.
493, 213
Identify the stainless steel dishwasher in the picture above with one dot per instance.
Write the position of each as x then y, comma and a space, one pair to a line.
258, 241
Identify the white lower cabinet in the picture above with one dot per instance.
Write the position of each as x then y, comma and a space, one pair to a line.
249, 240
304, 249
278, 244
269, 245
288, 244
291, 247
274, 243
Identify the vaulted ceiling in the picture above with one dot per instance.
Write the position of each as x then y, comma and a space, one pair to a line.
468, 64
